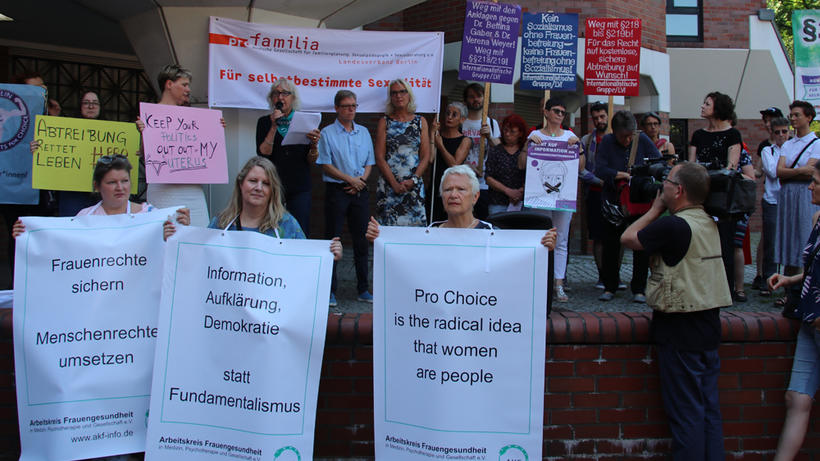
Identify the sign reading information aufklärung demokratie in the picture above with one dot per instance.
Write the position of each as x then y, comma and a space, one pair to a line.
551, 181
549, 51
85, 323
458, 347
241, 335
489, 42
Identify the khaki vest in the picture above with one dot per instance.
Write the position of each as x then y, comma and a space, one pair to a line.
698, 281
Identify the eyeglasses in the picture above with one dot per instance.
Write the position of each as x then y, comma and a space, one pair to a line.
276, 94
557, 111
672, 182
107, 159
90, 103
780, 131
397, 92
348, 106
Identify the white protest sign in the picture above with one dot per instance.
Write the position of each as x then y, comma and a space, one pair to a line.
245, 59
459, 325
241, 335
552, 176
85, 323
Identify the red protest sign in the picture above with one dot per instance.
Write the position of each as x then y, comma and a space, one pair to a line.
612, 59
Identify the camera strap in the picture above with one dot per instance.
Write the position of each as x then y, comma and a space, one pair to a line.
634, 149
801, 152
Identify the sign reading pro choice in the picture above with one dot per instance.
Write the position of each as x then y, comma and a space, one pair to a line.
241, 335
459, 326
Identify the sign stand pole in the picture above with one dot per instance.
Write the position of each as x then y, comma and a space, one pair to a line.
609, 111
546, 98
434, 161
481, 141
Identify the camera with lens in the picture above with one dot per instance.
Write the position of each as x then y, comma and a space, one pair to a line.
647, 179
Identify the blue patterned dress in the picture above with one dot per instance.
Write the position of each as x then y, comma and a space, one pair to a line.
402, 155
809, 307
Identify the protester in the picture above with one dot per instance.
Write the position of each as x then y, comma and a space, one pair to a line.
70, 202
53, 107
687, 289
746, 168
767, 115
256, 205
593, 186
614, 168
769, 157
459, 194
451, 148
112, 181
503, 175
346, 157
651, 124
554, 111
719, 144
486, 131
175, 84
804, 379
794, 206
402, 155
291, 161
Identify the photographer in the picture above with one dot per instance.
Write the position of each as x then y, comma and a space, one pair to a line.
613, 166
686, 290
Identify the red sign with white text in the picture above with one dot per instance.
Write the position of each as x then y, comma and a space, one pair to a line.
612, 59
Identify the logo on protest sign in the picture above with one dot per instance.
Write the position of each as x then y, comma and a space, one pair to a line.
14, 119
613, 57
806, 29
513, 453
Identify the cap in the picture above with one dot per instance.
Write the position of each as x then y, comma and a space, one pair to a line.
773, 111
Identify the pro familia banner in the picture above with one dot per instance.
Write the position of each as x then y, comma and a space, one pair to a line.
806, 29
86, 296
241, 335
246, 58
459, 325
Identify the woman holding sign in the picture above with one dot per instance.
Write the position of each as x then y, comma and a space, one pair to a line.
112, 180
256, 205
402, 150
459, 193
554, 112
293, 160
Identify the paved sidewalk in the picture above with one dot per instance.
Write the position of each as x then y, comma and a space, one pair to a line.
583, 296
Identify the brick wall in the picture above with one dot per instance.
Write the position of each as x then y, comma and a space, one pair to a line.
448, 16
602, 398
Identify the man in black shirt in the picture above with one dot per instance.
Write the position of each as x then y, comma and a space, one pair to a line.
685, 291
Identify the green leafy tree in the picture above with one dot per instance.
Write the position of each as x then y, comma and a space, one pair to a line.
783, 18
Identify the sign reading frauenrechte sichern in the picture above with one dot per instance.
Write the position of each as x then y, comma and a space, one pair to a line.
489, 42
241, 335
549, 51
245, 59
458, 347
612, 58
86, 297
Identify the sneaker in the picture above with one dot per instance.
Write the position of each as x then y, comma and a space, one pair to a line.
332, 302
639, 298
365, 296
599, 285
560, 295
740, 296
606, 296
621, 286
757, 283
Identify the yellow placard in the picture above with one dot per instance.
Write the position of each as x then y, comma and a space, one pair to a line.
70, 147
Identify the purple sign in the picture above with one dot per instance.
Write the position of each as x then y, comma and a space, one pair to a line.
489, 42
552, 176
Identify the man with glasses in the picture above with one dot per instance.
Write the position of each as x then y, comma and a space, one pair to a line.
613, 167
476, 129
687, 289
346, 157
769, 155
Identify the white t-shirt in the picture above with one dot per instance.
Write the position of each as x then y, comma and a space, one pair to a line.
791, 149
472, 129
769, 156
565, 136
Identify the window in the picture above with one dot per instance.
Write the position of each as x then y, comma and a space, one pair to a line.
684, 20
679, 137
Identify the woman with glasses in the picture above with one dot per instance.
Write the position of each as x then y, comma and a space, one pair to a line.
651, 124
112, 181
291, 161
452, 148
554, 111
402, 152
505, 179
769, 155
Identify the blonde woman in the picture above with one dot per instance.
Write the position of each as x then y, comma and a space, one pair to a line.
402, 151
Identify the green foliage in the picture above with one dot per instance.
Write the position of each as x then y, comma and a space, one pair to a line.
783, 18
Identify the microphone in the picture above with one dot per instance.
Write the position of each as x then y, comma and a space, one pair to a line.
279, 106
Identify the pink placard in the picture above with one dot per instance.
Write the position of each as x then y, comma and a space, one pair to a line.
183, 145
